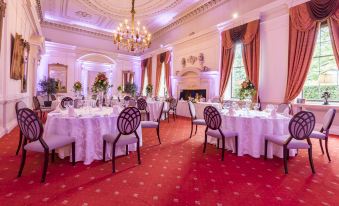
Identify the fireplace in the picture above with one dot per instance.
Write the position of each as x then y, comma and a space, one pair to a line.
186, 93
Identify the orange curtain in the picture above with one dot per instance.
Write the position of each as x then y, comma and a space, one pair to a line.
333, 22
251, 54
305, 20
149, 70
302, 36
158, 75
143, 70
168, 73
227, 57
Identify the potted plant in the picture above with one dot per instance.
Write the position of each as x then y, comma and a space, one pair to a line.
130, 88
77, 87
247, 90
149, 90
119, 89
48, 86
326, 95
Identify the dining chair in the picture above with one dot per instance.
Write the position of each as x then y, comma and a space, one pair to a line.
172, 107
19, 105
194, 120
142, 106
53, 97
284, 108
155, 123
38, 109
66, 100
300, 128
324, 131
213, 128
32, 131
127, 124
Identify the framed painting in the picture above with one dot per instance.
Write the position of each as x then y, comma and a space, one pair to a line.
59, 73
24, 73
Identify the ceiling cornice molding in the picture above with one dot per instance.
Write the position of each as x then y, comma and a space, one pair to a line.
189, 16
104, 35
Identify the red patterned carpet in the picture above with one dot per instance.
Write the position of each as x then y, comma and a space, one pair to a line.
174, 173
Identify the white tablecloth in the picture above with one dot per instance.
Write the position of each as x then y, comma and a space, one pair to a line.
252, 127
183, 110
88, 128
154, 108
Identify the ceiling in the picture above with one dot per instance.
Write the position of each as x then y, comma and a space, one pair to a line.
105, 15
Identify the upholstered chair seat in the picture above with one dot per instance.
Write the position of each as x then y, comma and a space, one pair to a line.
52, 141
318, 135
199, 122
149, 124
123, 140
293, 144
217, 134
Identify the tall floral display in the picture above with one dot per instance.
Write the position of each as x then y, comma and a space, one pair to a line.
100, 87
247, 90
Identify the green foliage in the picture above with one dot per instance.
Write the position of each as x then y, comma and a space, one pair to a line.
315, 92
119, 88
130, 88
48, 85
149, 89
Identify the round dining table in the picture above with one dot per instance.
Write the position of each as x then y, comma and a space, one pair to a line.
154, 108
252, 126
87, 125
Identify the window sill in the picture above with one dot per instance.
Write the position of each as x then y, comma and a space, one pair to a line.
317, 105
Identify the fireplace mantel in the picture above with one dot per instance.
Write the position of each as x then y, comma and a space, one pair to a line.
194, 78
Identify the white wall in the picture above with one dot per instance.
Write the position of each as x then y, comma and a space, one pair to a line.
71, 55
19, 18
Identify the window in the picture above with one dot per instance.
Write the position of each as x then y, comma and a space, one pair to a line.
162, 89
145, 83
323, 74
238, 72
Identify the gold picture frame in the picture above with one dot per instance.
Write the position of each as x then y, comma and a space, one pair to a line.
59, 73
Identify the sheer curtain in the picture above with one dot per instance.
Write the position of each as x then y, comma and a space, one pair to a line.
162, 84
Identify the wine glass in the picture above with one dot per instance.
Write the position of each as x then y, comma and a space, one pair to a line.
256, 106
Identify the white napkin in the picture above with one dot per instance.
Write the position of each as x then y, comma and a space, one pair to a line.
71, 112
274, 113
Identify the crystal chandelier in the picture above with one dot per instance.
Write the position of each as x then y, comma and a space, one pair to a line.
131, 37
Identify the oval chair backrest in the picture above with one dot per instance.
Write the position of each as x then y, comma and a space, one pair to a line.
302, 125
36, 103
127, 98
212, 117
19, 105
64, 100
142, 104
29, 124
173, 103
191, 107
129, 120
328, 119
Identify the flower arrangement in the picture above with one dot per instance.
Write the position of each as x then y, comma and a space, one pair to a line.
326, 95
77, 86
119, 89
49, 86
247, 90
130, 88
149, 89
101, 83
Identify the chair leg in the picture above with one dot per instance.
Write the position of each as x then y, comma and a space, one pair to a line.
23, 160
158, 134
196, 129
321, 146
73, 153
223, 149
266, 144
326, 147
285, 160
167, 114
236, 145
19, 145
113, 158
104, 151
191, 129
311, 159
205, 143
53, 155
287, 154
44, 170
138, 151
126, 149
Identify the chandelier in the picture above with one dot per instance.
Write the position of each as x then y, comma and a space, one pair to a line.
132, 37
